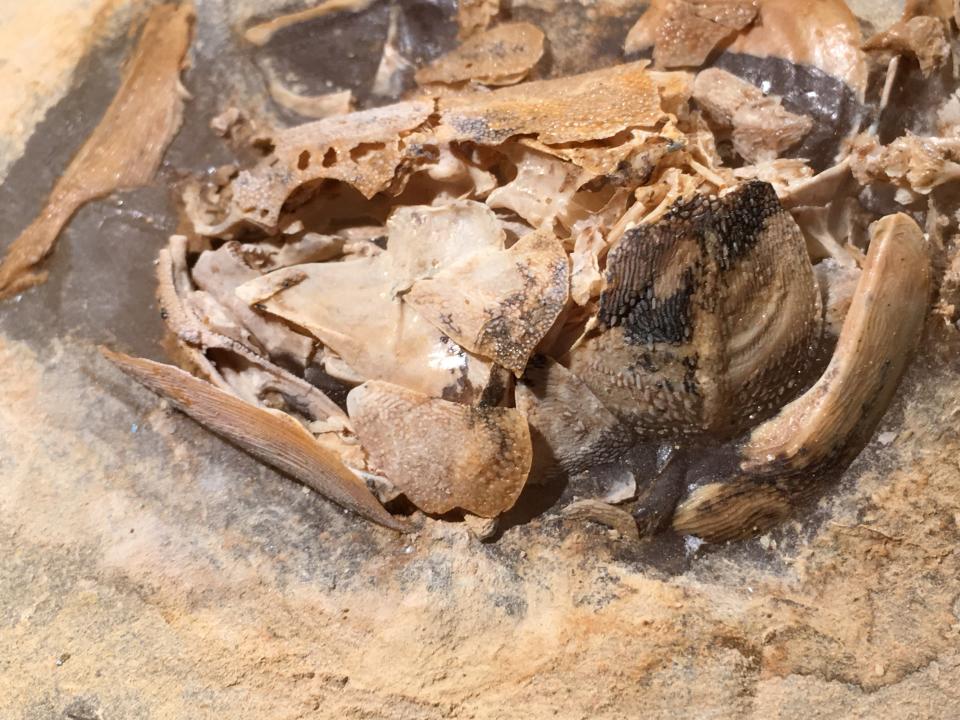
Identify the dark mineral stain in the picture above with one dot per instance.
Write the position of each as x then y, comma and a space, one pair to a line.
726, 228
740, 218
83, 708
805, 90
647, 319
513, 605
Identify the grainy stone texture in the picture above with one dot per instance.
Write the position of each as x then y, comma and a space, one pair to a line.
149, 570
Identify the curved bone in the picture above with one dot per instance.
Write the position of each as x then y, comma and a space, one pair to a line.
123, 151
219, 272
605, 514
270, 435
826, 427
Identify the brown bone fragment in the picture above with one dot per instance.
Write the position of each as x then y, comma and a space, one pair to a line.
123, 151
829, 424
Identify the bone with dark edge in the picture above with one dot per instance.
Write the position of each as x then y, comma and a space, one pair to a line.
824, 429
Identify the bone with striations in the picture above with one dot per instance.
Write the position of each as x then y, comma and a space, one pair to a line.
828, 425
709, 315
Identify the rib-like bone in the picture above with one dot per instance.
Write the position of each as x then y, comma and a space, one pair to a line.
261, 33
219, 272
270, 435
826, 427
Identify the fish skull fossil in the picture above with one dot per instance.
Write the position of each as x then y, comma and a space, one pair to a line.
687, 378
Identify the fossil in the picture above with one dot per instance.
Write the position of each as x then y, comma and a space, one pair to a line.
627, 285
710, 320
125, 149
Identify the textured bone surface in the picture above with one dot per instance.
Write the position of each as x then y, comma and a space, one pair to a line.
360, 149
828, 425
684, 32
591, 106
571, 429
443, 455
919, 164
499, 304
708, 317
273, 436
502, 55
348, 304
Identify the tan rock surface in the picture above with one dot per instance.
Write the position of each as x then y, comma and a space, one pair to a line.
183, 579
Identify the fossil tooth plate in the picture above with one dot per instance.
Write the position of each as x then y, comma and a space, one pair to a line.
709, 319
